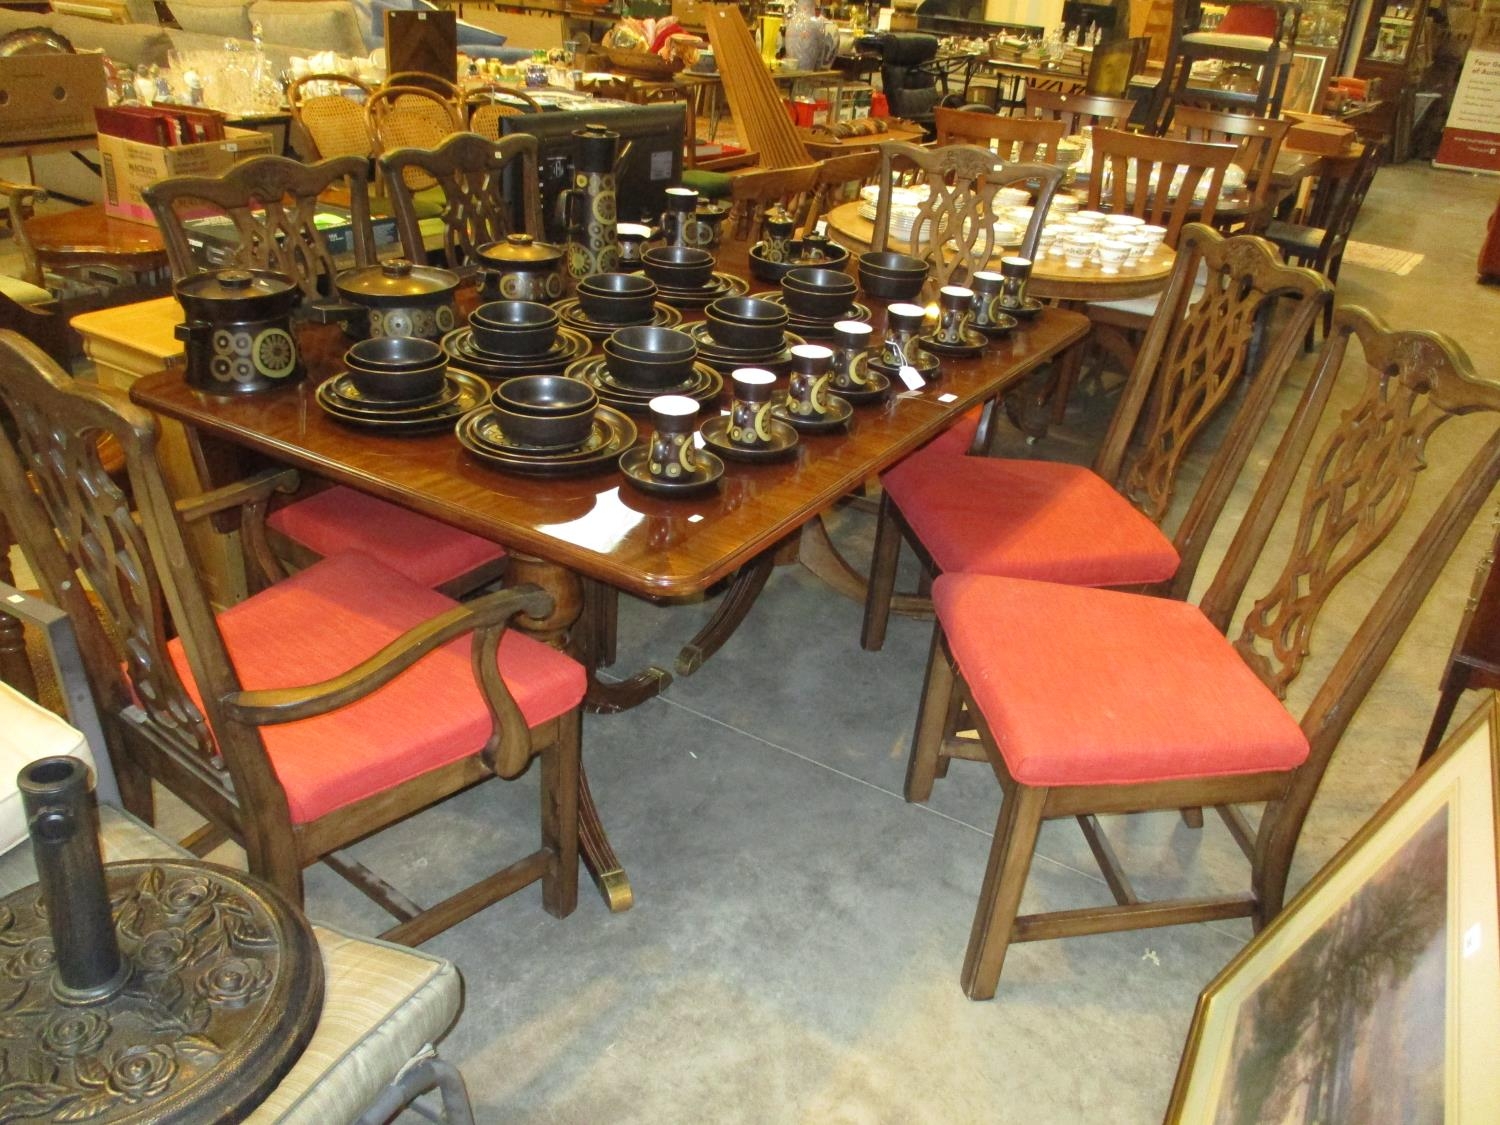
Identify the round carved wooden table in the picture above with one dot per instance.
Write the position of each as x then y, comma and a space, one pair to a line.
224, 989
86, 236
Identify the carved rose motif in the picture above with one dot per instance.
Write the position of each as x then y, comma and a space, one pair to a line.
183, 895
164, 951
235, 982
75, 1033
34, 959
140, 1073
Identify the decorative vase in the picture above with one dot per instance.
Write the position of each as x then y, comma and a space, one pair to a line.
811, 41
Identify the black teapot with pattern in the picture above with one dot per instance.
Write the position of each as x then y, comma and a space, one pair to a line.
238, 330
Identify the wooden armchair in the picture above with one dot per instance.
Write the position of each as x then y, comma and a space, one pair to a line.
1090, 702
317, 712
25, 306
962, 182
328, 112
1213, 348
1012, 138
1078, 110
479, 206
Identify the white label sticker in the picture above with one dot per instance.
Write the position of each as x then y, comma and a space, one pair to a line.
950, 397
911, 378
661, 165
697, 440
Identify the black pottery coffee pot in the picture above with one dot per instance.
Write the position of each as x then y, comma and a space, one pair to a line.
589, 205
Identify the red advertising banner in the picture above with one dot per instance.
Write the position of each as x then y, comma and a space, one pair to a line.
1471, 138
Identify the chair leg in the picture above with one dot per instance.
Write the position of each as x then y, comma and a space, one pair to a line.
560, 774
932, 716
1453, 687
414, 1081
1000, 898
882, 584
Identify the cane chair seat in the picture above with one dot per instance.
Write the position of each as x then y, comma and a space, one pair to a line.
427, 718
1109, 688
1030, 519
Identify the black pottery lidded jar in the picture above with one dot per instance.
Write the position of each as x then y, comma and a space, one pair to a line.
237, 330
590, 205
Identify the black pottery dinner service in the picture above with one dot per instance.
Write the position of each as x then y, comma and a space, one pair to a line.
605, 302
685, 277
507, 338
399, 384
817, 298
546, 425
641, 362
745, 332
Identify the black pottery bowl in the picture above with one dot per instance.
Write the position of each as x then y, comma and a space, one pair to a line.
647, 356
763, 269
396, 368
818, 294
555, 430
514, 328
746, 323
891, 276
678, 267
544, 396
617, 298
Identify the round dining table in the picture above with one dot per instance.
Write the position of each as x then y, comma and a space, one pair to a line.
1051, 278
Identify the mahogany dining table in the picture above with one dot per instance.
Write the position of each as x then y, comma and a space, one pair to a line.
582, 539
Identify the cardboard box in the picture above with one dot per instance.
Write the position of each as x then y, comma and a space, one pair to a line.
130, 166
47, 96
1313, 132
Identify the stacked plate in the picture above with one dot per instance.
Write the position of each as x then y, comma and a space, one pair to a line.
815, 326
483, 434
461, 347
704, 385
725, 360
718, 285
343, 401
575, 318
685, 278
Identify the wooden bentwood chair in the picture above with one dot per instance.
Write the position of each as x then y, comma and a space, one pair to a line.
271, 201
329, 112
315, 713
470, 171
1089, 702
1056, 522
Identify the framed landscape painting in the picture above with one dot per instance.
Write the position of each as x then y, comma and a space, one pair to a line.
1304, 88
1375, 995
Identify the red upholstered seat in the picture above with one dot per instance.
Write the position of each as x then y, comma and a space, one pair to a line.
1249, 19
1027, 519
426, 550
1101, 687
957, 438
321, 622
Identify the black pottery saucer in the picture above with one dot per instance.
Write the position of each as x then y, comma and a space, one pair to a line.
572, 315
480, 433
876, 387
720, 285
783, 441
570, 345
1030, 306
345, 393
1004, 322
704, 386
441, 412
927, 365
840, 410
822, 326
633, 464
973, 344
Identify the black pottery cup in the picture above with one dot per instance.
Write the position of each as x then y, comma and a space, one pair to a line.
852, 339
1016, 272
672, 455
631, 237
750, 413
953, 304
807, 394
986, 285
680, 216
902, 323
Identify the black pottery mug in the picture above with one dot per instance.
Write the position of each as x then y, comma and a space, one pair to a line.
953, 305
852, 338
750, 413
673, 456
807, 395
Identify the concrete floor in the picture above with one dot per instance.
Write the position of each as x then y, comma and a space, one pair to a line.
794, 951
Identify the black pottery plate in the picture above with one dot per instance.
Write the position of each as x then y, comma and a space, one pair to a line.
840, 410
345, 393
1030, 306
973, 344
633, 465
783, 441
720, 285
711, 351
876, 387
822, 325
704, 386
471, 391
570, 345
572, 315
1002, 326
613, 434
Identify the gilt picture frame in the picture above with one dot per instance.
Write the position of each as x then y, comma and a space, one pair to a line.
1375, 994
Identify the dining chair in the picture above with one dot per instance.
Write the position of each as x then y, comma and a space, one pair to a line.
1090, 702
317, 712
1012, 138
272, 202
1076, 111
328, 111
840, 177
25, 305
962, 182
451, 92
489, 189
412, 117
1253, 44
1259, 140
1320, 243
487, 105
1213, 348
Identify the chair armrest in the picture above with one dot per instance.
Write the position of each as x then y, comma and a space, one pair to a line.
486, 618
253, 490
16, 197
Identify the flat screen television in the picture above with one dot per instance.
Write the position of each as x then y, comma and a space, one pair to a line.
654, 163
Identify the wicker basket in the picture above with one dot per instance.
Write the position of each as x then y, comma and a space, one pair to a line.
642, 63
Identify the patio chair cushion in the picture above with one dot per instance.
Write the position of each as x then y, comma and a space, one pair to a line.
28, 731
341, 610
1100, 687
1027, 519
425, 550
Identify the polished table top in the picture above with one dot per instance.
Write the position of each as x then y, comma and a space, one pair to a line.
88, 233
600, 526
